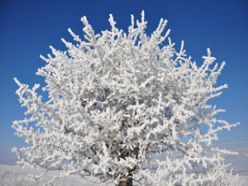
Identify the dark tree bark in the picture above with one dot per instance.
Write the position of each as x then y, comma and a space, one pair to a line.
127, 181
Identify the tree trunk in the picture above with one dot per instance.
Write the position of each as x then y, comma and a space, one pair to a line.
127, 181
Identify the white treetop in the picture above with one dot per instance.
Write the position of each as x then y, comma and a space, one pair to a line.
125, 107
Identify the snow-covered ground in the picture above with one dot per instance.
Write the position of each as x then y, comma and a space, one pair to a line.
16, 176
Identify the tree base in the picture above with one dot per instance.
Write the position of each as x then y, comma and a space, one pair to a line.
126, 182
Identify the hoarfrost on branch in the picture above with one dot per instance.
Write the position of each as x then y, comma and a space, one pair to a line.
125, 107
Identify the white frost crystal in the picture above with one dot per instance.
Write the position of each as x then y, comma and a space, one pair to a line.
127, 108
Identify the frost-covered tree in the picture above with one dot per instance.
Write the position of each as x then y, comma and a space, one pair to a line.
125, 107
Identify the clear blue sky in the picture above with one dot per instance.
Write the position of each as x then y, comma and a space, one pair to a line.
28, 27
